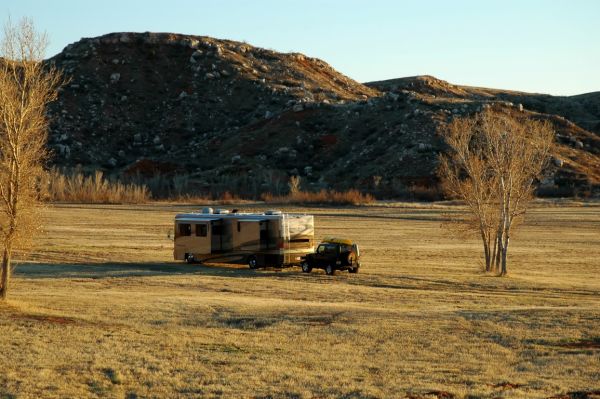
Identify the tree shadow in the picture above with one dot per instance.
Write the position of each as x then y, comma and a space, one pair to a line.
145, 269
422, 216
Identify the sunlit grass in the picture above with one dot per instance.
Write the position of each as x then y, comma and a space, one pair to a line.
100, 310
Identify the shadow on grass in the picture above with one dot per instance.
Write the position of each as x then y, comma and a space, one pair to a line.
422, 215
126, 269
7, 395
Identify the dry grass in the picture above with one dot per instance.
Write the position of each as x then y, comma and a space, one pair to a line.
92, 189
323, 197
102, 311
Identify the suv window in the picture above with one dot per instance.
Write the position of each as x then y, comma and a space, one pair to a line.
327, 249
331, 248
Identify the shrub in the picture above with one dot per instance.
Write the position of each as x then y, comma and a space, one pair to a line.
426, 193
331, 197
92, 189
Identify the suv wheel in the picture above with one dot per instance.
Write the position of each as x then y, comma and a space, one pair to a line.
306, 268
329, 270
252, 263
353, 269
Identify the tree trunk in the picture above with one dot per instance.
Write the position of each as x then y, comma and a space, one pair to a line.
5, 278
2, 294
503, 271
493, 262
486, 252
498, 252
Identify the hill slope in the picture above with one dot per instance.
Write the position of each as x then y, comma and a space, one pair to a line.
227, 114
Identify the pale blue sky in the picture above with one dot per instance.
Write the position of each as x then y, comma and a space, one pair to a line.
546, 46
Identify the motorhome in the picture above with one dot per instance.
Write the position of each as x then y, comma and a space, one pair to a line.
264, 239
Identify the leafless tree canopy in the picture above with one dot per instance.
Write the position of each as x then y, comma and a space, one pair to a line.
493, 164
26, 87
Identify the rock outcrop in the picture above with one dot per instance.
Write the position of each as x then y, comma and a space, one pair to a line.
214, 110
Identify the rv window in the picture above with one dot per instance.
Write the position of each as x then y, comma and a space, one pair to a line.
201, 230
185, 229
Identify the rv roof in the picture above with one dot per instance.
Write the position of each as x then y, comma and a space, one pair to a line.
240, 216
194, 219
198, 216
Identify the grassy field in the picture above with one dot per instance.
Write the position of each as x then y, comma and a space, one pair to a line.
101, 310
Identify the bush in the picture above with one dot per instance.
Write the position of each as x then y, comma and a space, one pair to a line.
426, 193
331, 197
555, 192
92, 189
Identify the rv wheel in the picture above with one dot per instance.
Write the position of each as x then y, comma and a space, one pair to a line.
306, 267
252, 262
329, 270
190, 258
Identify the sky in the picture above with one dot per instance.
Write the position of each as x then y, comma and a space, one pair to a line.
543, 46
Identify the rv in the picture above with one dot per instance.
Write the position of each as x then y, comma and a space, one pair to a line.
272, 238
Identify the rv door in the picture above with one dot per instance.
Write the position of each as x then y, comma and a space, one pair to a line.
264, 234
217, 231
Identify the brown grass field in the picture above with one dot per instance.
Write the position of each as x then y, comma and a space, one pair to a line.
99, 309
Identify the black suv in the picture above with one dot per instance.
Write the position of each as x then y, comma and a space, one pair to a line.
333, 254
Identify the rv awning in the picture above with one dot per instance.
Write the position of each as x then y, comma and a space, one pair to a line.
252, 220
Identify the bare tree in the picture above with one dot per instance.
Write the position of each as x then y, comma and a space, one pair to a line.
26, 87
294, 185
492, 165
465, 176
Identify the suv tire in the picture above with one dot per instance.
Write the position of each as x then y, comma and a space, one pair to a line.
252, 263
329, 270
353, 269
306, 267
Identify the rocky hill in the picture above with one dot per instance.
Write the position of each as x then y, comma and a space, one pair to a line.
218, 113
583, 109
576, 160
